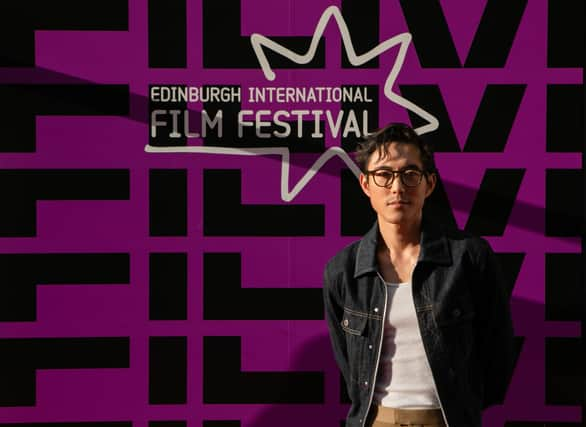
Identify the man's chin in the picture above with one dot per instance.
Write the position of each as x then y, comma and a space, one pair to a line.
397, 218
394, 219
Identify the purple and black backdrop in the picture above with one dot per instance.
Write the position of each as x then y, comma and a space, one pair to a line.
153, 278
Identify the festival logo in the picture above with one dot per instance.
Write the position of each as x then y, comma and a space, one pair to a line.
284, 122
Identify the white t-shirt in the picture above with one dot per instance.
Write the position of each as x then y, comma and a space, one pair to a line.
404, 378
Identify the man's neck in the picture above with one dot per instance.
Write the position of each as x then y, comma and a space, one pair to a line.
400, 239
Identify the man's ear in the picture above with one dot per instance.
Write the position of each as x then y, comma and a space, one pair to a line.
364, 184
431, 183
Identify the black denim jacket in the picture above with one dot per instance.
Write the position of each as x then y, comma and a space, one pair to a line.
462, 309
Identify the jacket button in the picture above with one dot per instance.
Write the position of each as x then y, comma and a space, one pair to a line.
345, 322
376, 309
456, 312
370, 346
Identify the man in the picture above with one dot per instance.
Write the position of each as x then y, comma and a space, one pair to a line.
418, 315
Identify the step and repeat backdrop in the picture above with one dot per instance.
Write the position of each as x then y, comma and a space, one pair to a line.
174, 174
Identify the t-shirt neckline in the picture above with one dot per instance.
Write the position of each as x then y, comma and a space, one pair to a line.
397, 284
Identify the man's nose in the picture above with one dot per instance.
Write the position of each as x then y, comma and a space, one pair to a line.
397, 184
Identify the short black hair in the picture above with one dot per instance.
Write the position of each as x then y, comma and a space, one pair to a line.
394, 132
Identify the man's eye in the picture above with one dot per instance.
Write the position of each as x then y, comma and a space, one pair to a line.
411, 172
384, 174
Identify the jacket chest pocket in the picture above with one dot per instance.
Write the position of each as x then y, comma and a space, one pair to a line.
457, 310
355, 325
456, 327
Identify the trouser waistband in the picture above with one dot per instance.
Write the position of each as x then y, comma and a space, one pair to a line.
408, 416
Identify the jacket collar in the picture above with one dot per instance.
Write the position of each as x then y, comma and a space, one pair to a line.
434, 248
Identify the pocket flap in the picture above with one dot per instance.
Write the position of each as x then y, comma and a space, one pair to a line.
354, 323
454, 315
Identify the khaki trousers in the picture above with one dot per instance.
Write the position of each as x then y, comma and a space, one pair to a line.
391, 417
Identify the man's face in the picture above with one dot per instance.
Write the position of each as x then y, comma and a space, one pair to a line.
397, 204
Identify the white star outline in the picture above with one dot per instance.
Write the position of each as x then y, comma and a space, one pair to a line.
259, 41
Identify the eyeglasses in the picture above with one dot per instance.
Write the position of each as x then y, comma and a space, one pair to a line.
385, 177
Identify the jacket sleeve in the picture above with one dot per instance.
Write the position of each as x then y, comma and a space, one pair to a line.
497, 342
334, 312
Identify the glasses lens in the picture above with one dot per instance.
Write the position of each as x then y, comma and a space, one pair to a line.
383, 178
411, 178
